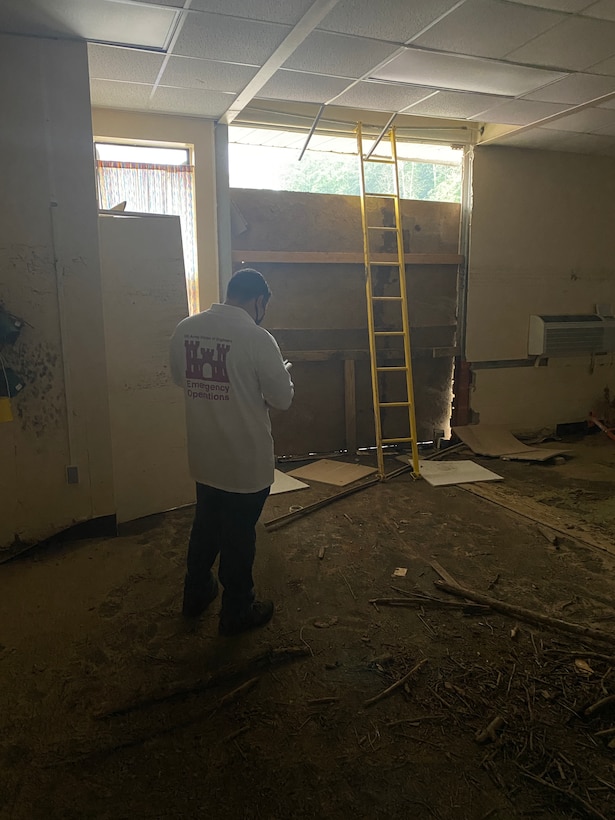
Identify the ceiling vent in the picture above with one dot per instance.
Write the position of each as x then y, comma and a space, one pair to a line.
572, 335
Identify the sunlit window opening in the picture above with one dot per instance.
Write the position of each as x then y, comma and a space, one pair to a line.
269, 159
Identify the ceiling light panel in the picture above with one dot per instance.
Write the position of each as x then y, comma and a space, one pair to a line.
190, 72
111, 94
575, 89
127, 64
190, 101
296, 85
588, 121
457, 73
382, 96
454, 105
576, 44
519, 112
487, 28
393, 20
274, 11
602, 10
335, 54
215, 37
98, 20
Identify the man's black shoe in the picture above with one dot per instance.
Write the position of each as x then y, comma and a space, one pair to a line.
260, 614
194, 606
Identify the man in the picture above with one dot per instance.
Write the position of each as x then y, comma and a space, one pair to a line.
232, 372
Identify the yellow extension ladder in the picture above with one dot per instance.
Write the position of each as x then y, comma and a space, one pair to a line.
380, 369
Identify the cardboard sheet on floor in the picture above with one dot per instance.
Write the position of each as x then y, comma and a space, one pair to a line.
493, 440
332, 472
441, 473
284, 483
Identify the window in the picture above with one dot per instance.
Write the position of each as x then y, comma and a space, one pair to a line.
155, 180
264, 158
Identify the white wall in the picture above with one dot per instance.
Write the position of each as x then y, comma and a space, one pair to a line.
198, 133
48, 210
542, 242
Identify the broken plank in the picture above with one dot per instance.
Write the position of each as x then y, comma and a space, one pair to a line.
562, 524
522, 614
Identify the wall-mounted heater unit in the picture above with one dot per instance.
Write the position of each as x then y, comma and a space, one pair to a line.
573, 335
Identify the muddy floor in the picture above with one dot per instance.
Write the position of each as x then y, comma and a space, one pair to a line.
113, 707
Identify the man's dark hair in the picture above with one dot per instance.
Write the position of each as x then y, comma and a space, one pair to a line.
247, 284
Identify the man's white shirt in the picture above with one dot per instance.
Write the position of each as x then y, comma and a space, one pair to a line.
231, 371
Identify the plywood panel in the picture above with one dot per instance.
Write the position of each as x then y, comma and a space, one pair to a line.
144, 293
321, 307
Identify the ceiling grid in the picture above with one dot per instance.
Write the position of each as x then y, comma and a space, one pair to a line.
531, 73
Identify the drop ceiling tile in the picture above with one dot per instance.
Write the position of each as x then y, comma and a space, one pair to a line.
586, 143
574, 89
608, 104
393, 20
338, 55
602, 10
575, 44
382, 96
519, 112
98, 20
214, 37
587, 121
111, 94
537, 138
457, 105
128, 64
190, 72
571, 6
296, 85
191, 102
458, 73
606, 67
289, 11
487, 28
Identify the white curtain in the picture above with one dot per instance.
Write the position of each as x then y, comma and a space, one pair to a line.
155, 189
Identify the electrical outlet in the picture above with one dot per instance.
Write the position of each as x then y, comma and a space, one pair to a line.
72, 475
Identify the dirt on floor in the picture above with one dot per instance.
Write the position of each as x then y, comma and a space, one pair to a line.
114, 707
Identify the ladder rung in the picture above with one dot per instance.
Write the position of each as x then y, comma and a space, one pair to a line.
382, 196
385, 264
389, 333
380, 228
392, 367
393, 404
405, 440
382, 160
387, 298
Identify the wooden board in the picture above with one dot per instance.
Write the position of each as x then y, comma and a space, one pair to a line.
496, 441
144, 297
342, 258
444, 473
338, 473
285, 483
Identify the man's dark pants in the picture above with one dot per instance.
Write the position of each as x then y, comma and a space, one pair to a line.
224, 524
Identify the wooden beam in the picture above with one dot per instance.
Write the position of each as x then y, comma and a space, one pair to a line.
341, 258
350, 405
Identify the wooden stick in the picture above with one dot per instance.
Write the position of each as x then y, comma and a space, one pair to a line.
588, 808
396, 685
489, 732
236, 693
598, 705
414, 602
526, 615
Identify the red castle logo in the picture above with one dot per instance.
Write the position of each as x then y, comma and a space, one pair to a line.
202, 364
